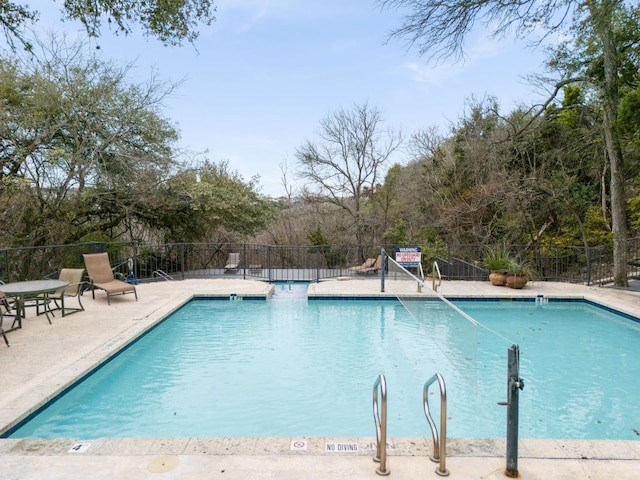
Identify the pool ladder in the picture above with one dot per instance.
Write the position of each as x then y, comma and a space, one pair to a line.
380, 418
435, 271
439, 443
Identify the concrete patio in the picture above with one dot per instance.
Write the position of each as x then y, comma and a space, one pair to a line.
44, 359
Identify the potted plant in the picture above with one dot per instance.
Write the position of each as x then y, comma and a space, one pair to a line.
497, 259
518, 274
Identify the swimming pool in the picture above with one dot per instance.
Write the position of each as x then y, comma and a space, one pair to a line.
221, 368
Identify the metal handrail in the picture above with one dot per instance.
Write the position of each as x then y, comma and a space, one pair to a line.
380, 418
439, 444
435, 269
162, 274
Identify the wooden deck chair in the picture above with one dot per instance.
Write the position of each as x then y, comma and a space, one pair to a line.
74, 289
101, 277
373, 268
233, 262
368, 263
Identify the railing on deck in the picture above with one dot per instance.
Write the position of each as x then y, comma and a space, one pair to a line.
555, 263
590, 266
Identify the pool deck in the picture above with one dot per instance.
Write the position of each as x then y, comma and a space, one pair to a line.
44, 359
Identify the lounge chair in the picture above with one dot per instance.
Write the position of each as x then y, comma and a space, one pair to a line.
74, 289
373, 268
232, 263
101, 277
368, 263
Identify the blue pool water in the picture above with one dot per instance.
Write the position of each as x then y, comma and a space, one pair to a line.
306, 368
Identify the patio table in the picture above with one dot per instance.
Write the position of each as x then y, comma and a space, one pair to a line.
30, 289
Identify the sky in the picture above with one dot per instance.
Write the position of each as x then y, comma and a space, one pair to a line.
257, 82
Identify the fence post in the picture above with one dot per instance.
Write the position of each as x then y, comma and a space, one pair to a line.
382, 269
588, 256
182, 260
7, 263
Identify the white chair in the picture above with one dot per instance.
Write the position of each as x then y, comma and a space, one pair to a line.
232, 263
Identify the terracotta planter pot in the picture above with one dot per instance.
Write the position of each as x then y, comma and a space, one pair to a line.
517, 281
498, 279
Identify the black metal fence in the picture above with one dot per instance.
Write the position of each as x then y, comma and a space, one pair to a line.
264, 262
186, 260
590, 266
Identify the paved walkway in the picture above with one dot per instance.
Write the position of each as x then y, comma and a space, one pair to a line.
44, 359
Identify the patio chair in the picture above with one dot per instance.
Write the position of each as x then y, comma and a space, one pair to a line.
232, 262
4, 309
101, 277
368, 263
74, 289
373, 268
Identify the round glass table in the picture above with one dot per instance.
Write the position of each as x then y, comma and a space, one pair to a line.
21, 291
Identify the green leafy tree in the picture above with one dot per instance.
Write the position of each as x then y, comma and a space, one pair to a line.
171, 22
469, 180
386, 202
396, 234
212, 203
82, 149
333, 255
559, 157
603, 58
86, 154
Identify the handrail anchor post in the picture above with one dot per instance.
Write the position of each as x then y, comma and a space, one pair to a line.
514, 385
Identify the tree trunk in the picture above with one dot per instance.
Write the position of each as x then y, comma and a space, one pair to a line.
612, 142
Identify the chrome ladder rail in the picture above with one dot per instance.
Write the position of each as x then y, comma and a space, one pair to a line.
439, 444
380, 418
435, 269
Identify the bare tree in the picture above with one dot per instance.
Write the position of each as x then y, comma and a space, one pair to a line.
285, 181
347, 163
